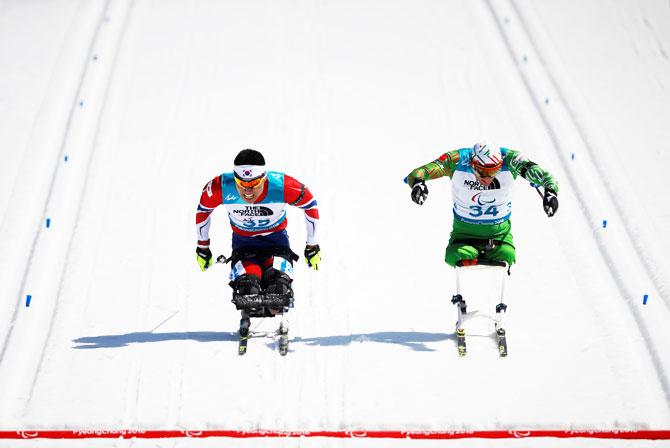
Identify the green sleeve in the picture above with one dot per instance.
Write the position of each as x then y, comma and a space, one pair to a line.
519, 165
445, 165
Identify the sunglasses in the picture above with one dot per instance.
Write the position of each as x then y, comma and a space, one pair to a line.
486, 173
251, 183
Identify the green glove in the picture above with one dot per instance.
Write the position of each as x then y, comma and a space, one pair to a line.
204, 257
313, 256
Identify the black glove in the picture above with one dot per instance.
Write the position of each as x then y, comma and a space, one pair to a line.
204, 257
550, 202
419, 192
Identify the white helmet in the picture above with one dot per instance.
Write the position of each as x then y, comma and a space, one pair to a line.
486, 158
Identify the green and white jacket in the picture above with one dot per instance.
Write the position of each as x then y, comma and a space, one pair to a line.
473, 202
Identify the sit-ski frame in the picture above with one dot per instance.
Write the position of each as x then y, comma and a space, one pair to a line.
464, 316
246, 332
245, 323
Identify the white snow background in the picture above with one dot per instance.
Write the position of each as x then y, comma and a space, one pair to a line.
115, 113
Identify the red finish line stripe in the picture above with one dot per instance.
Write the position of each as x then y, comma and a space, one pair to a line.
171, 434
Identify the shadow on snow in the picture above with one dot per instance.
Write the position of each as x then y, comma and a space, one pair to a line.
122, 340
410, 339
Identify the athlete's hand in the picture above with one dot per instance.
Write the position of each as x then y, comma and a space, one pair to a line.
419, 192
204, 257
550, 202
313, 256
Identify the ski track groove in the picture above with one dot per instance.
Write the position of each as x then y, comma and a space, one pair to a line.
54, 173
558, 148
118, 43
34, 125
649, 260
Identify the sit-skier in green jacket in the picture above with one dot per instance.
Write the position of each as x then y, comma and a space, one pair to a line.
482, 179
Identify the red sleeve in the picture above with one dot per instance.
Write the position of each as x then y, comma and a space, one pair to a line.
210, 198
297, 194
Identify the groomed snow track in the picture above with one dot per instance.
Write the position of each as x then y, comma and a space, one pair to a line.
122, 333
638, 262
26, 339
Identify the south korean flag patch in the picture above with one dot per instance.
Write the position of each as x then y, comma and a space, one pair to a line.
249, 172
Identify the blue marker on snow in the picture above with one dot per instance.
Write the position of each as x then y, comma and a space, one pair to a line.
65, 158
28, 299
573, 156
48, 222
644, 299
604, 223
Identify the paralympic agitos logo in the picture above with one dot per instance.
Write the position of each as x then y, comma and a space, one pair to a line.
479, 200
254, 211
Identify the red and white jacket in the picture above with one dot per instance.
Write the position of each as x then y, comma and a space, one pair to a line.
265, 216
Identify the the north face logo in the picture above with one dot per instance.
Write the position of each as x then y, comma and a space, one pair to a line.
254, 211
475, 185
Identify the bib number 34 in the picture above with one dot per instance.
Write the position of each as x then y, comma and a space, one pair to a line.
477, 210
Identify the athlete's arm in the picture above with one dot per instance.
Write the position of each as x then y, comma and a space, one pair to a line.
445, 165
519, 165
210, 198
298, 195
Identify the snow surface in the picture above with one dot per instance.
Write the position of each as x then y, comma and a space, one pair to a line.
114, 114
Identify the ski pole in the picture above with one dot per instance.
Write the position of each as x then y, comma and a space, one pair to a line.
222, 259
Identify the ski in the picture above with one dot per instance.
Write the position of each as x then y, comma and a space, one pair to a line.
502, 342
460, 338
245, 334
500, 337
245, 323
242, 347
283, 338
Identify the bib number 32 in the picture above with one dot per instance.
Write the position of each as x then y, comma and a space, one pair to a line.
250, 224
